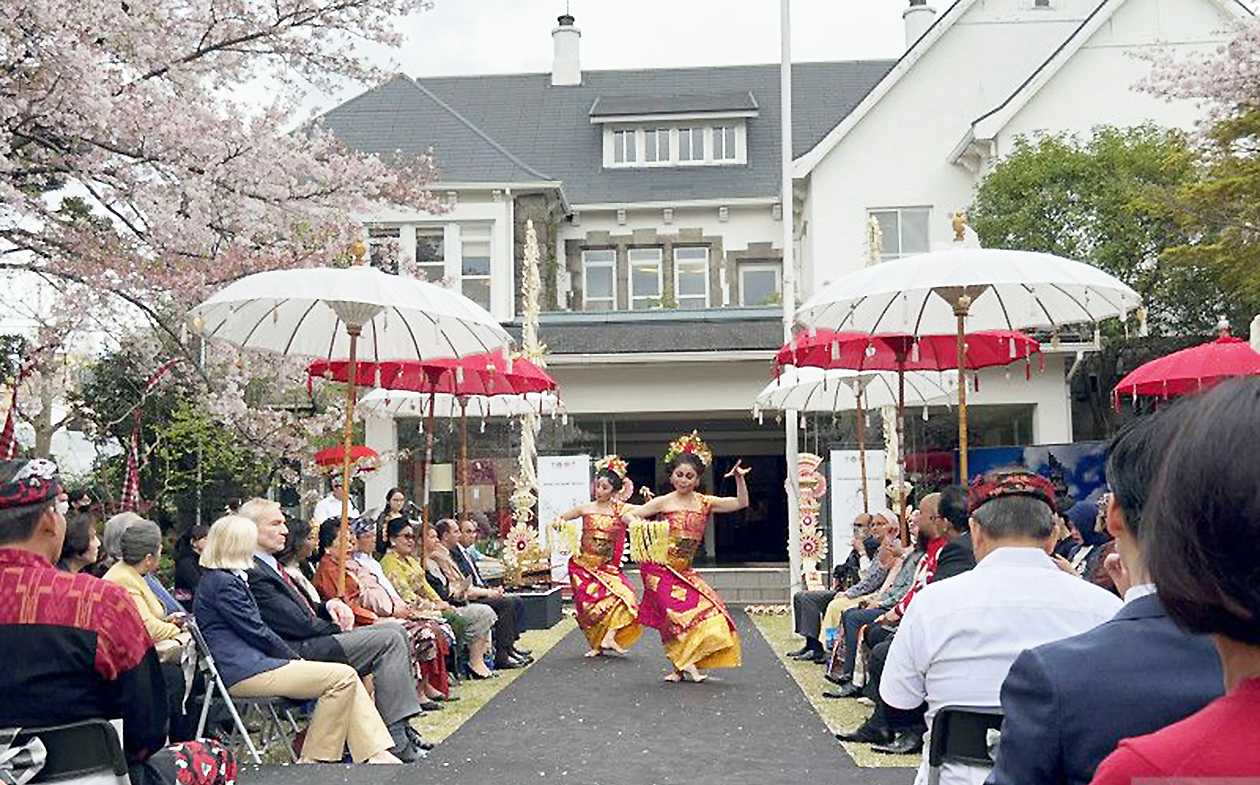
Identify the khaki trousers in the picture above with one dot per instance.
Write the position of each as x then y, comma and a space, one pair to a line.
344, 714
836, 608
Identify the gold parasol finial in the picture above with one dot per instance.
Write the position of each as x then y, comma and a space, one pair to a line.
959, 222
358, 249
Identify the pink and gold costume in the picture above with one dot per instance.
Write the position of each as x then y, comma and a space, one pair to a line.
695, 627
603, 598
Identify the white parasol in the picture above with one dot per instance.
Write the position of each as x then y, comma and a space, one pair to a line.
407, 403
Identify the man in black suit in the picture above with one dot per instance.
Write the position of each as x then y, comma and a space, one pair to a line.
380, 649
957, 556
1067, 704
510, 609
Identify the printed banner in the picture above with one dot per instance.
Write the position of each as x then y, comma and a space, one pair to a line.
846, 495
564, 482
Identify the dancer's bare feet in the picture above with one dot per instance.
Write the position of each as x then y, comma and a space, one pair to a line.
692, 674
593, 653
610, 644
384, 756
673, 677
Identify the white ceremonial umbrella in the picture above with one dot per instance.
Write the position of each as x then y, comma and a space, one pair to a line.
968, 288
408, 403
840, 390
327, 311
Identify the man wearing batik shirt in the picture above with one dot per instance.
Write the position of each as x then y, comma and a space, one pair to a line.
75, 647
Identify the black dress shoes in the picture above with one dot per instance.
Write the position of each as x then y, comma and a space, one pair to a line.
847, 691
429, 705
507, 664
802, 650
906, 743
819, 657
521, 652
839, 681
865, 734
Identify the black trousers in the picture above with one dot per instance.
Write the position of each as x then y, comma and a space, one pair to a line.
887, 717
506, 630
809, 607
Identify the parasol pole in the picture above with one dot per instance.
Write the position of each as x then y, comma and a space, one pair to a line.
961, 306
861, 437
463, 458
901, 448
426, 467
346, 437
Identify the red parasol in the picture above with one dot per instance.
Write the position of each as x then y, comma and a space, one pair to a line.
897, 352
1190, 370
487, 375
364, 458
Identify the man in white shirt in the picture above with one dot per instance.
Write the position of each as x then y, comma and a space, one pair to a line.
330, 505
958, 639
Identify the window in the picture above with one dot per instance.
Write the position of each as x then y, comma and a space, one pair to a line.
691, 277
724, 143
430, 262
599, 280
645, 278
1041, 3
904, 230
759, 283
624, 147
475, 267
383, 247
690, 144
656, 145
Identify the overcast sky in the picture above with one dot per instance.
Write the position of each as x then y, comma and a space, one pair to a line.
504, 36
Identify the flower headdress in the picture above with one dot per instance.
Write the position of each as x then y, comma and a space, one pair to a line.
690, 443
613, 463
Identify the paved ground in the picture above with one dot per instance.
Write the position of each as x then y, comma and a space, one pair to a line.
612, 722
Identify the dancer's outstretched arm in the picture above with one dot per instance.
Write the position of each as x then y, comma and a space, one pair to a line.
740, 500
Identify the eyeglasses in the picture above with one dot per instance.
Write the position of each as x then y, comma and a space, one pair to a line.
407, 537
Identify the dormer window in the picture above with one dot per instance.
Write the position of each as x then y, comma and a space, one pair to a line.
695, 130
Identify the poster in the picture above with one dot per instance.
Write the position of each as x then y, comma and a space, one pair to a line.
1077, 472
846, 495
564, 482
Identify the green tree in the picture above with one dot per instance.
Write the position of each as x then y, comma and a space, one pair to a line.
1111, 200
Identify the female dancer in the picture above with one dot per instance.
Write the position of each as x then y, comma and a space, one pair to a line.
695, 628
605, 603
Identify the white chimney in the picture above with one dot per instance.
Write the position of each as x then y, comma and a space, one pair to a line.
566, 68
918, 18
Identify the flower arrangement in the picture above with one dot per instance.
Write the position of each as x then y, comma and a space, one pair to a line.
614, 463
690, 443
813, 545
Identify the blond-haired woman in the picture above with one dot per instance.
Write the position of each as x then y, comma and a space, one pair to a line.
255, 662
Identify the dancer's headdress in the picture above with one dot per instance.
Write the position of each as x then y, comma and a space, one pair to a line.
690, 443
613, 463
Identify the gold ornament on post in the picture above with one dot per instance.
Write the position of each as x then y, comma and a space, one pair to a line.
959, 222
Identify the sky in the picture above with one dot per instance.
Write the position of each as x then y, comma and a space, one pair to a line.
458, 37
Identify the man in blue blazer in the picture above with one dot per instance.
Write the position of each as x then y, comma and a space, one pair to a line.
1067, 704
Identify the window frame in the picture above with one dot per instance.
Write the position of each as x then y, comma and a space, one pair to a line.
744, 267
472, 233
730, 154
663, 138
418, 265
694, 132
379, 235
611, 264
678, 295
884, 256
630, 152
660, 278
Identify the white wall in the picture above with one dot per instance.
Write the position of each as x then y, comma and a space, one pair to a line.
898, 155
677, 386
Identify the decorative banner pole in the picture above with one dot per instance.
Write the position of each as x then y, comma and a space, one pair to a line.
525, 483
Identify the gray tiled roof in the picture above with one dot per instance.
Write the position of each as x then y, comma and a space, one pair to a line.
617, 105
517, 127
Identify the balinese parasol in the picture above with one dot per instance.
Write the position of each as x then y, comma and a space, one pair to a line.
901, 353
362, 457
810, 389
323, 312
1190, 370
981, 288
482, 376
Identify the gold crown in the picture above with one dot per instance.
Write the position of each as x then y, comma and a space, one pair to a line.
690, 443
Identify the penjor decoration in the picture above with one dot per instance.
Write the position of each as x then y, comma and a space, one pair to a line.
813, 488
523, 547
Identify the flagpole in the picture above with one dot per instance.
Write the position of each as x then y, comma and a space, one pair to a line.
792, 447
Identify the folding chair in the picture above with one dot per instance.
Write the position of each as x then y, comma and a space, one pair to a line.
80, 753
272, 713
960, 734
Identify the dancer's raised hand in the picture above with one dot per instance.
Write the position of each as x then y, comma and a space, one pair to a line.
739, 469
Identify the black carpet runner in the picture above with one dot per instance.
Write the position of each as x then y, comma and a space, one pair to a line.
611, 721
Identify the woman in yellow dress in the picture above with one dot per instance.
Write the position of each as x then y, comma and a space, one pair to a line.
696, 629
606, 606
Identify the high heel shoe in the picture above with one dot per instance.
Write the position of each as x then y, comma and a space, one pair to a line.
474, 675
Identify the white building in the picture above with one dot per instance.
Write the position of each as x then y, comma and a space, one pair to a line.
656, 195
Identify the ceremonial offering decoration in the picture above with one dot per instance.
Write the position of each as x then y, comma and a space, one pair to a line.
813, 486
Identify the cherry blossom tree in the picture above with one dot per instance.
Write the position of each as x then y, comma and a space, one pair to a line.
135, 182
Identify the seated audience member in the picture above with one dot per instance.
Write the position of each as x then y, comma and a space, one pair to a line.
256, 663
395, 508
1202, 547
188, 563
106, 667
959, 638
405, 570
808, 607
111, 541
371, 603
330, 505
140, 551
82, 546
954, 524
901, 566
509, 608
881, 536
1067, 704
454, 587
380, 650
